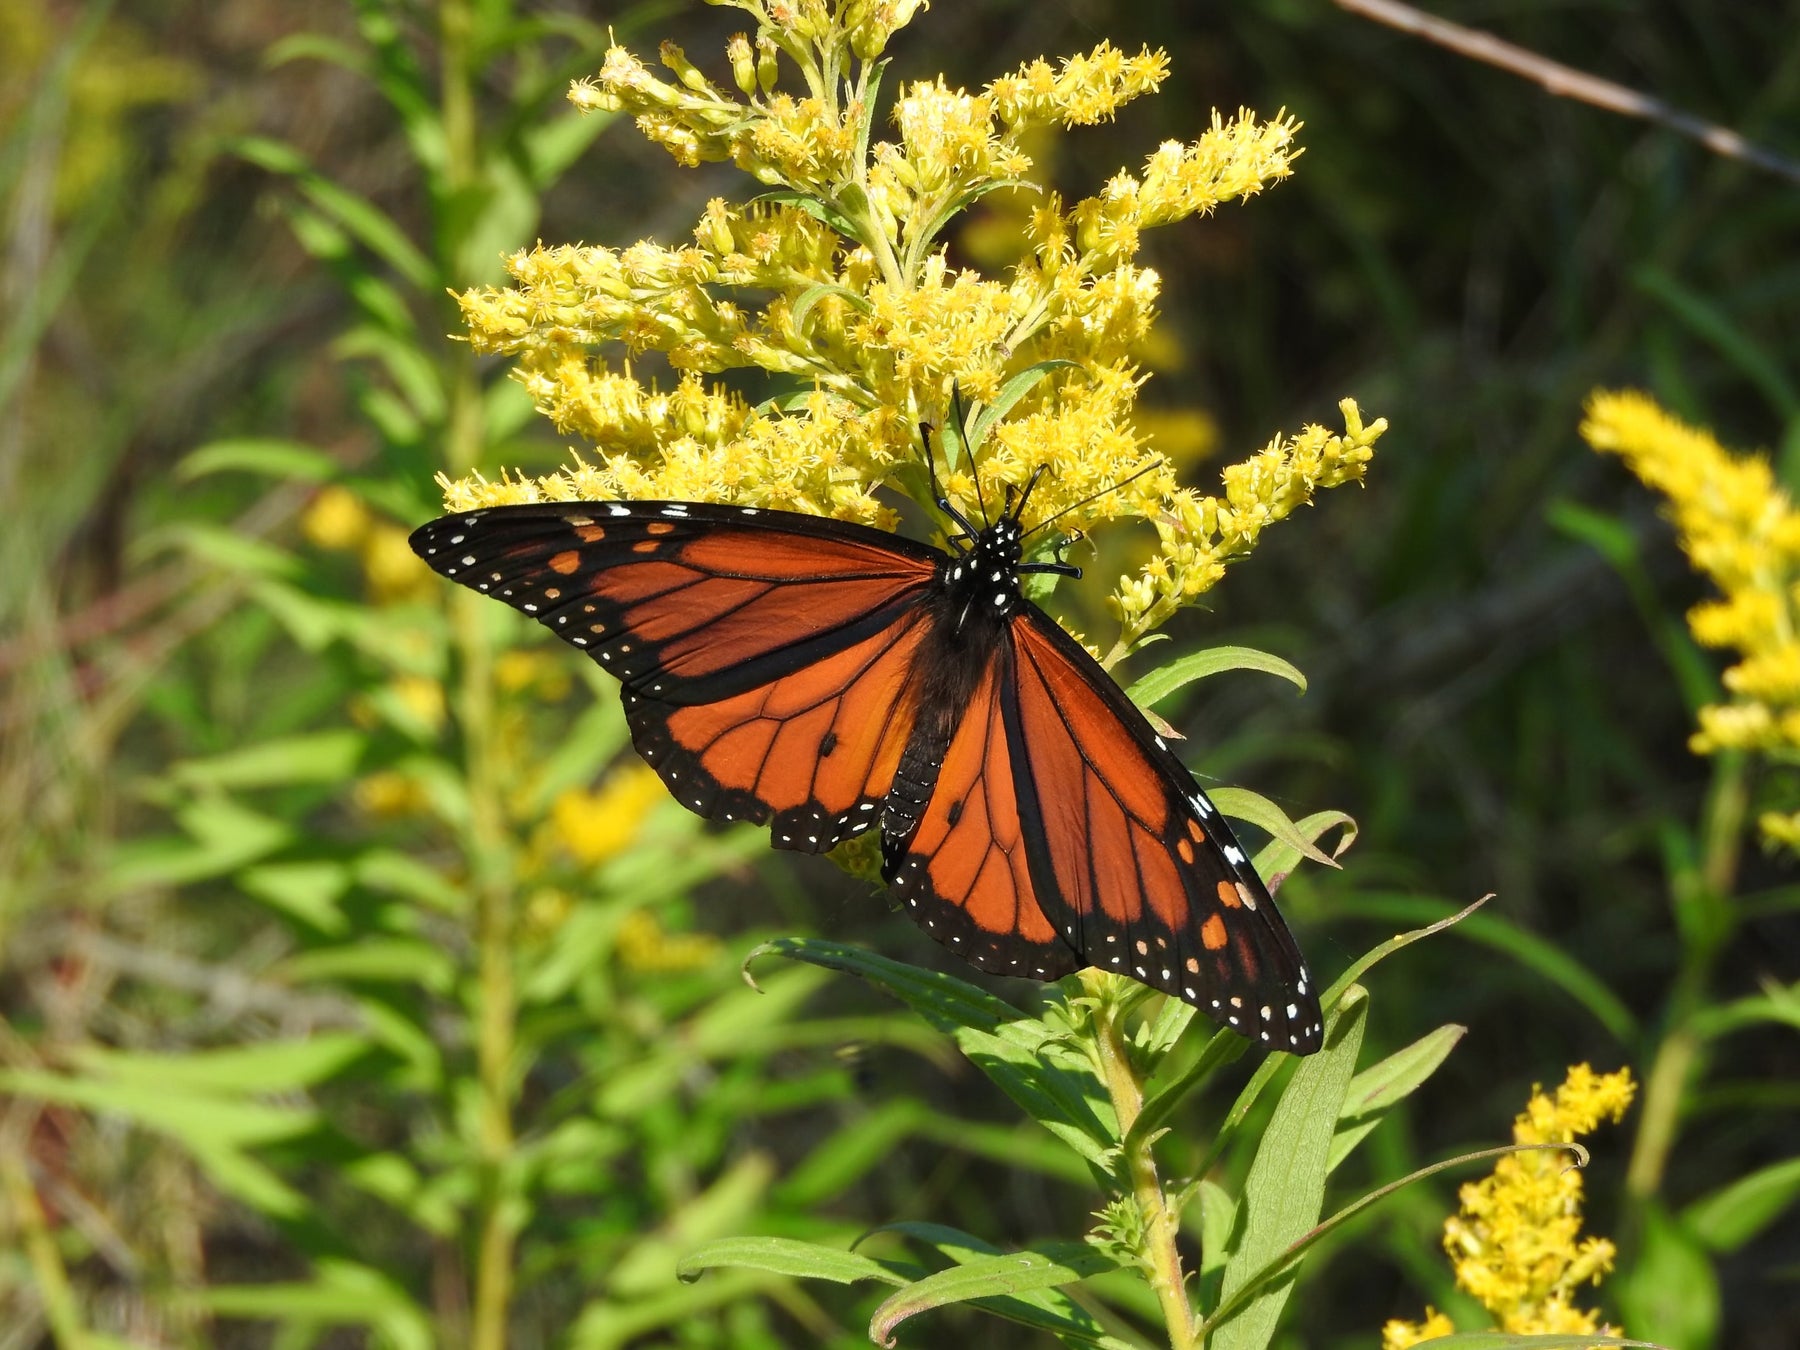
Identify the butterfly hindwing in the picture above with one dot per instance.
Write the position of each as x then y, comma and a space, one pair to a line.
1136, 868
766, 672
963, 873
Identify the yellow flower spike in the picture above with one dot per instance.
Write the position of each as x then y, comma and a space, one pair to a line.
1088, 89
1399, 1335
393, 570
645, 946
389, 795
336, 519
421, 699
1738, 526
843, 290
594, 826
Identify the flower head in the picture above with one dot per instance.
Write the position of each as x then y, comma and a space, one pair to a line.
1739, 527
1516, 1244
839, 289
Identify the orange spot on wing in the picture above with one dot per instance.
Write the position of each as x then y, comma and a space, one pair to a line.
590, 533
1228, 895
1198, 834
1186, 850
1212, 933
566, 561
659, 527
645, 546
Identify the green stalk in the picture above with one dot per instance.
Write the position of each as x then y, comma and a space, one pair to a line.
1159, 1254
1665, 1083
496, 998
56, 1298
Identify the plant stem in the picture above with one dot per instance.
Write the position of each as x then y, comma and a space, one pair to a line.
56, 1298
1159, 1254
1708, 932
496, 999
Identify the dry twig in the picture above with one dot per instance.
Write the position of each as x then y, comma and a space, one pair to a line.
1567, 82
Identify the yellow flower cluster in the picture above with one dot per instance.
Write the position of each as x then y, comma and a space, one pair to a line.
1738, 526
337, 520
645, 946
1516, 1245
839, 287
594, 826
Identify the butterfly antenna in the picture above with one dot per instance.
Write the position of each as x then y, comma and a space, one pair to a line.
938, 495
1094, 497
1017, 511
960, 414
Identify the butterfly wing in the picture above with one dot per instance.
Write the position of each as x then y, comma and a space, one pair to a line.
1133, 865
964, 873
766, 657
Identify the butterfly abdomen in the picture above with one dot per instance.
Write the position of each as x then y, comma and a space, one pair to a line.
966, 626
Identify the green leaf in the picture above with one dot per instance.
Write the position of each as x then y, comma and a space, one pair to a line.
1154, 687
1022, 1055
317, 757
266, 1066
1010, 1273
786, 1256
1381, 1087
865, 122
730, 1204
1670, 1294
829, 212
358, 216
1726, 1219
408, 961
1714, 324
410, 369
1046, 1309
804, 302
223, 836
267, 455
199, 1120
1278, 858
1285, 1188
1015, 388
949, 1004
343, 1293
1536, 954
226, 550
1243, 804
1779, 1005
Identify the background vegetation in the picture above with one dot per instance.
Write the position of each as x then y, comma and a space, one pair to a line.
280, 1071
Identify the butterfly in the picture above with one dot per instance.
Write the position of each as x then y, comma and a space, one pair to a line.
827, 678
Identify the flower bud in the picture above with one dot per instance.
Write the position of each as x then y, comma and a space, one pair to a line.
743, 64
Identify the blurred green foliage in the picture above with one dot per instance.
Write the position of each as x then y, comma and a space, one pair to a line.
277, 1056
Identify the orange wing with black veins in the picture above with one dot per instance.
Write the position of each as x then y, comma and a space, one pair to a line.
767, 674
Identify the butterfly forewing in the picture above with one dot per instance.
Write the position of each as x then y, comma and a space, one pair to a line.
1134, 866
766, 672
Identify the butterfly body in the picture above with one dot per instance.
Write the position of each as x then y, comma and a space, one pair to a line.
827, 679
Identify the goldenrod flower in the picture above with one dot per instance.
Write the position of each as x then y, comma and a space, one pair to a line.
394, 572
390, 794
1517, 1245
336, 519
1739, 527
839, 286
1399, 1335
532, 670
644, 945
594, 826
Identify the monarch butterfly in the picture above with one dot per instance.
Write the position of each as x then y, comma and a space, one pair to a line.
828, 678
